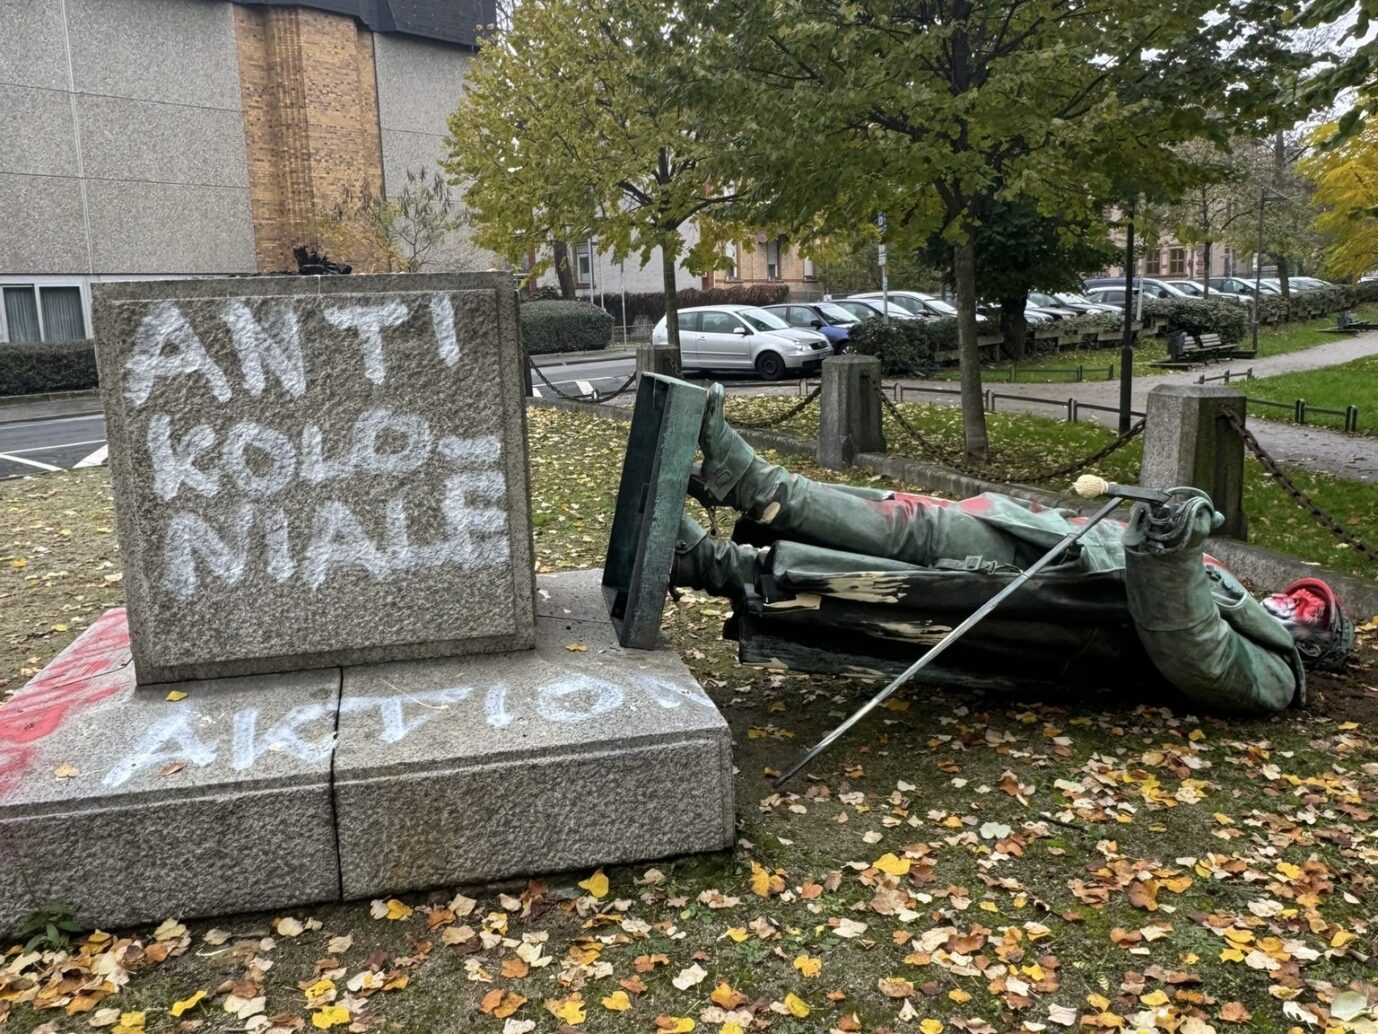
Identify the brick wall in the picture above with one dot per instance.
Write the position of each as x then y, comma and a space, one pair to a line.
310, 122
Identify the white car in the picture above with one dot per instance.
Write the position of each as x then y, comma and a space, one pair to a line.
743, 337
924, 306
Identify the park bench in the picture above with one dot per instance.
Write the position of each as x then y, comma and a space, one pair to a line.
1348, 325
1184, 352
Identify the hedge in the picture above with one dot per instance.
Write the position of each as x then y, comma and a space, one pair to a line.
907, 348
36, 368
1197, 316
649, 307
564, 327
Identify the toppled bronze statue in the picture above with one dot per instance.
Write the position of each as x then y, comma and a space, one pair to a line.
862, 581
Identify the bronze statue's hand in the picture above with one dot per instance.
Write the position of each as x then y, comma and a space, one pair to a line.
1181, 523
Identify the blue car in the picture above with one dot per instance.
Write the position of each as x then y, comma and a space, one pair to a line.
832, 321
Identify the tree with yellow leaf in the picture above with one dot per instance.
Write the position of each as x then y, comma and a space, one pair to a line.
1346, 180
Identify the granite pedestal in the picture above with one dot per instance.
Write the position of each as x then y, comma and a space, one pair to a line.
265, 792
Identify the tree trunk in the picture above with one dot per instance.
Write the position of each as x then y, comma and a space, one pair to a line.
1206, 276
563, 273
1014, 327
1281, 263
968, 352
667, 272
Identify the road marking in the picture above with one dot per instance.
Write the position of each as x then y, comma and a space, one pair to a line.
94, 460
52, 448
537, 393
53, 420
31, 463
585, 388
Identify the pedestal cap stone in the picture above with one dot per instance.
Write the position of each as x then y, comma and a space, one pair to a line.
314, 471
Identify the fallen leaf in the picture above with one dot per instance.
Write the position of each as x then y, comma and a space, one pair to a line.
930, 1026
576, 648
596, 885
673, 1024
569, 1010
618, 1001
796, 1005
176, 695
329, 1016
186, 1003
288, 927
689, 977
501, 1003
391, 909
727, 996
808, 965
892, 865
66, 770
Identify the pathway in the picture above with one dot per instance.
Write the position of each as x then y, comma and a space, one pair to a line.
1313, 448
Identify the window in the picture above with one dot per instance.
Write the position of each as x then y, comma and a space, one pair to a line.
809, 273
773, 259
718, 322
582, 265
799, 316
36, 312
1176, 261
730, 253
688, 321
1153, 262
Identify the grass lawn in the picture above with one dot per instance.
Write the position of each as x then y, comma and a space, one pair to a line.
1335, 387
962, 862
1023, 443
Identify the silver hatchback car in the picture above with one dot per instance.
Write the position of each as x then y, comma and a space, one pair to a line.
743, 337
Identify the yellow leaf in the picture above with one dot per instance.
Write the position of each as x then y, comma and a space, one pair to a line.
931, 1026
796, 1005
738, 933
727, 996
130, 1023
618, 1001
1289, 870
66, 770
808, 965
320, 992
576, 648
959, 996
59, 628
763, 883
596, 885
1098, 1001
397, 910
570, 1010
894, 866
674, 1024
18, 563
731, 1027
186, 1003
1154, 998
176, 695
329, 1016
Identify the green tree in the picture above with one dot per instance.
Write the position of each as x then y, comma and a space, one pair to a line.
398, 233
925, 111
591, 120
1346, 196
1020, 249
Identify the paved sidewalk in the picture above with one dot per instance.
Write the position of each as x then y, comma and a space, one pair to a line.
1314, 448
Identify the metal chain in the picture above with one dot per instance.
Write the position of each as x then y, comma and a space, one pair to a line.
775, 421
593, 397
1301, 498
950, 457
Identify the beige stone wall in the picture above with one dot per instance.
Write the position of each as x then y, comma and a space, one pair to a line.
310, 122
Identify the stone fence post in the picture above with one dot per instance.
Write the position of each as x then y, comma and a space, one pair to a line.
849, 422
657, 359
1189, 441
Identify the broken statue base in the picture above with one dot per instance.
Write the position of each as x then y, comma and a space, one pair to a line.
269, 791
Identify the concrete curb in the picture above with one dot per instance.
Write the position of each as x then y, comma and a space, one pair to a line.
1262, 567
578, 358
20, 408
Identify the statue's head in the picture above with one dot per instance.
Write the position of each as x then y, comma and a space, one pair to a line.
1310, 611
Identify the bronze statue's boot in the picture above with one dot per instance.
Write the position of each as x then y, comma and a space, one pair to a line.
715, 566
726, 457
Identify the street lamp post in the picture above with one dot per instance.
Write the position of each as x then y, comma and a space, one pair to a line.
1127, 342
1258, 265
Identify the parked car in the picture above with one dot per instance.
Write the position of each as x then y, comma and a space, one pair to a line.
1195, 290
743, 337
869, 308
1238, 286
1054, 304
990, 311
1110, 297
1150, 287
1082, 304
829, 319
1301, 284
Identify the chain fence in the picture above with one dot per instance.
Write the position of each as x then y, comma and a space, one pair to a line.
955, 459
1303, 500
594, 396
780, 418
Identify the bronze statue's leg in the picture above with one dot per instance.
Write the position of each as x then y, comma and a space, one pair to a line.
1178, 619
896, 529
716, 566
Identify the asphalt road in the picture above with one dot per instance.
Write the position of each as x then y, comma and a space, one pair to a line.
36, 446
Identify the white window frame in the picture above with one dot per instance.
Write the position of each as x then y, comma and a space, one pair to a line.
583, 265
809, 272
36, 282
773, 268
